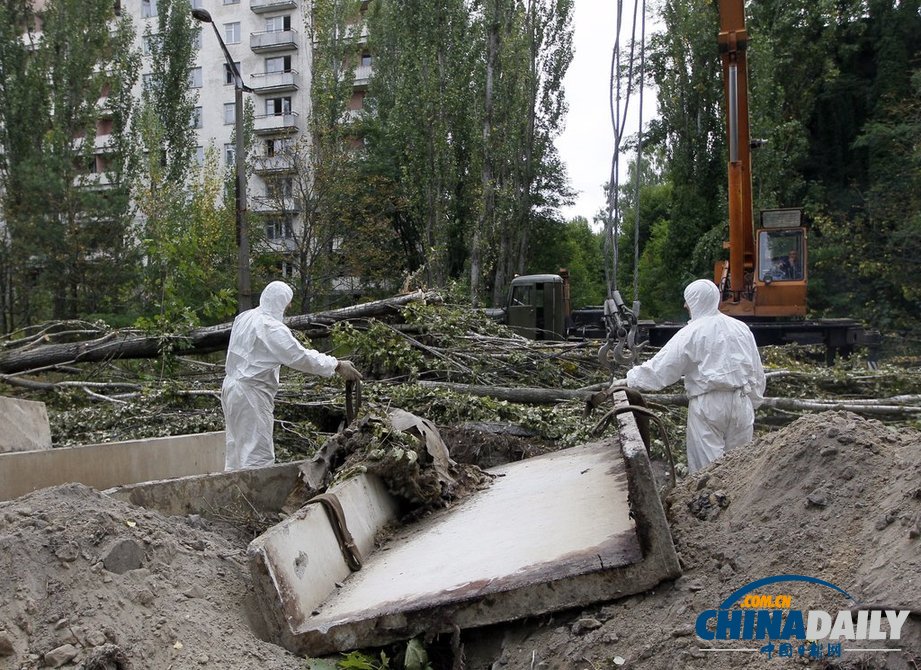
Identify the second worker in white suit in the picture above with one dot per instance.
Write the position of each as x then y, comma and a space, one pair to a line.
723, 376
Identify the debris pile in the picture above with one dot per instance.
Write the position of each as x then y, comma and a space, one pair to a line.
406, 451
91, 582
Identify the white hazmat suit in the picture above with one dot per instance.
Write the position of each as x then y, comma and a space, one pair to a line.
259, 344
717, 356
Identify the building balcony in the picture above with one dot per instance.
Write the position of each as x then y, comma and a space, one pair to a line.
275, 40
273, 164
281, 245
275, 124
351, 115
275, 204
274, 82
93, 181
104, 108
264, 6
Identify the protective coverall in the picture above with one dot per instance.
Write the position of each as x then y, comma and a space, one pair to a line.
722, 371
259, 344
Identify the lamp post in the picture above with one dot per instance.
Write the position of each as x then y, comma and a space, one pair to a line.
244, 291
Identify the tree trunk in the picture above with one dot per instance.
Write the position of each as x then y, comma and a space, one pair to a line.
199, 341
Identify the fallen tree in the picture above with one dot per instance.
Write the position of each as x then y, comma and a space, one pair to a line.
39, 351
902, 405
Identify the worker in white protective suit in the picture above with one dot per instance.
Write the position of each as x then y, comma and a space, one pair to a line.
722, 371
260, 343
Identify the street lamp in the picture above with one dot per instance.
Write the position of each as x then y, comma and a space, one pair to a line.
244, 292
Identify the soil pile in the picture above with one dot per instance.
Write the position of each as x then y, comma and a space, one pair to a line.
92, 582
831, 496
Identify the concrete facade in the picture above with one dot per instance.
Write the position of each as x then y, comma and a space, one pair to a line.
23, 425
103, 466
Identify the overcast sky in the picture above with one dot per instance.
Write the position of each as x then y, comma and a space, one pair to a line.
587, 143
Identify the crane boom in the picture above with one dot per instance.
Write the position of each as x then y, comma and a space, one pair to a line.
733, 43
759, 280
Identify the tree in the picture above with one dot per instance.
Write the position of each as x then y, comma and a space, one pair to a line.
166, 195
67, 217
422, 100
684, 64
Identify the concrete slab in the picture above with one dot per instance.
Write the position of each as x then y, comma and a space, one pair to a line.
560, 530
264, 490
111, 464
299, 562
25, 425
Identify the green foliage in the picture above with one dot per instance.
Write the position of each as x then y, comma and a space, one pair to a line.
445, 322
577, 248
356, 660
190, 249
416, 658
378, 349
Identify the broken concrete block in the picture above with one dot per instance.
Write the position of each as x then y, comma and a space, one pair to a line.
103, 466
6, 645
122, 556
26, 426
61, 655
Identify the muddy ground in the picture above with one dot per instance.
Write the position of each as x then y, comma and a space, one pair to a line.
91, 582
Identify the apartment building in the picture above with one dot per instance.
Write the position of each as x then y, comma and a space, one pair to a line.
267, 41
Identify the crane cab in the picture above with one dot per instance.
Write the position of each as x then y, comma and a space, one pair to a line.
775, 284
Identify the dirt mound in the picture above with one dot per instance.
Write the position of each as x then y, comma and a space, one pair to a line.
89, 581
831, 496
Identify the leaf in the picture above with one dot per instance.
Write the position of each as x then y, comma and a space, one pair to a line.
416, 656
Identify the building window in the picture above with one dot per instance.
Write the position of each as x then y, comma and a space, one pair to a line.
228, 73
278, 106
230, 113
365, 59
276, 147
230, 155
357, 101
200, 156
195, 77
196, 118
276, 24
197, 4
279, 187
148, 8
278, 64
278, 229
231, 2
196, 40
232, 32
147, 44
147, 81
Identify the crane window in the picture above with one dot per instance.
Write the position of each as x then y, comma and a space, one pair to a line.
781, 255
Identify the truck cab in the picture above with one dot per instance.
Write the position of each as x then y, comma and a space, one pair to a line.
537, 306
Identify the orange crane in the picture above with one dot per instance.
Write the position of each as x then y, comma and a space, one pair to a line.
765, 276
